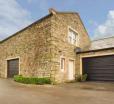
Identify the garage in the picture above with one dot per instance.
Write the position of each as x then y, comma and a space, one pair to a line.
12, 67
99, 68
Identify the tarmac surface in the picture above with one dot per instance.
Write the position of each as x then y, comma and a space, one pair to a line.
71, 93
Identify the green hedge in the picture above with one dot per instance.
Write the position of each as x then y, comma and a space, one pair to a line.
32, 80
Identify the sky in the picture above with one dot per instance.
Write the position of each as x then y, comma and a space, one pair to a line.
97, 15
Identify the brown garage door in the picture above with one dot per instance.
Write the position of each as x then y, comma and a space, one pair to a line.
13, 67
99, 68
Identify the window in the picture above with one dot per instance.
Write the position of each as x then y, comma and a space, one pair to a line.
72, 37
62, 64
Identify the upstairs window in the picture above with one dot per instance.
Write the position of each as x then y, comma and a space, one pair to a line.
72, 37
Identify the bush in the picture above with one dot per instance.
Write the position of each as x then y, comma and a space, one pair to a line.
84, 77
81, 78
32, 80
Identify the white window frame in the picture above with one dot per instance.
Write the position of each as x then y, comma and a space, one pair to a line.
62, 64
76, 39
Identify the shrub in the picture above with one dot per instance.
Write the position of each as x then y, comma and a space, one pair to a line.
84, 77
80, 78
32, 80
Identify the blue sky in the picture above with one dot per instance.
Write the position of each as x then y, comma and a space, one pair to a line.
97, 15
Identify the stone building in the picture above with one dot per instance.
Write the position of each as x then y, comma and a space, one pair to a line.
53, 46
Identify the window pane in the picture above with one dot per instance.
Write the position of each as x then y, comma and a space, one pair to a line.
62, 63
72, 36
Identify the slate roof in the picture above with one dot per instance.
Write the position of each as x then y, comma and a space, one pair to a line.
102, 43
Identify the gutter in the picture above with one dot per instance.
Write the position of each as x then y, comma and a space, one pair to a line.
96, 50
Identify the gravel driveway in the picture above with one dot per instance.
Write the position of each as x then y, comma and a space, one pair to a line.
71, 93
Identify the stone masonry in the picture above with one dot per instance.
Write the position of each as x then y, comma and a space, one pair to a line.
60, 46
31, 47
40, 46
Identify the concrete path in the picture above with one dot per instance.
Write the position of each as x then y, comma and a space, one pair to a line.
76, 93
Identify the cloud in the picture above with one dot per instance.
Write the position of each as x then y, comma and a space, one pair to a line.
12, 17
107, 28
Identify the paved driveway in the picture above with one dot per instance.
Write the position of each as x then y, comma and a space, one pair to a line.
76, 93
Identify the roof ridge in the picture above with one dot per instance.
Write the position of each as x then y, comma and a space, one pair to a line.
103, 38
68, 12
54, 11
16, 33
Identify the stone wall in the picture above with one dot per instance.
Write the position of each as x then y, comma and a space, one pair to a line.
60, 46
40, 46
31, 46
